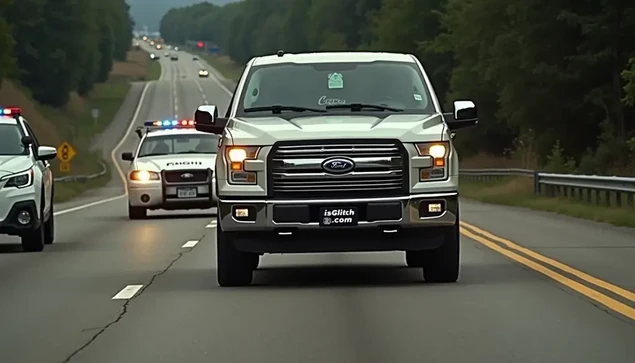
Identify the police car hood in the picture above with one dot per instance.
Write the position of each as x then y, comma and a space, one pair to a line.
11, 164
176, 162
407, 128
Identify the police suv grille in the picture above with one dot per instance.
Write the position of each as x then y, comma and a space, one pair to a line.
183, 176
295, 170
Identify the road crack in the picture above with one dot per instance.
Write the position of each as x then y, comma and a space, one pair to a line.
124, 309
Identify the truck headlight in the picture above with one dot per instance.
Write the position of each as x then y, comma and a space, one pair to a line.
144, 175
439, 151
235, 156
21, 180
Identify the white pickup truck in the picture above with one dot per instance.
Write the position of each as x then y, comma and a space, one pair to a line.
336, 152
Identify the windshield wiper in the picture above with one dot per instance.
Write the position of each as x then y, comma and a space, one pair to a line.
276, 109
356, 107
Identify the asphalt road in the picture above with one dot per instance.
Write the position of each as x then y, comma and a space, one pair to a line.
80, 299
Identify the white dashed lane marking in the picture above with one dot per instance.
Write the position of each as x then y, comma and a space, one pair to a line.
190, 244
212, 224
127, 292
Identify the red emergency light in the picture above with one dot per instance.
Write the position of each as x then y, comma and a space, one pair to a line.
10, 111
201, 44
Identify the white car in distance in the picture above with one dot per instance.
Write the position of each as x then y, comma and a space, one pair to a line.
26, 183
172, 168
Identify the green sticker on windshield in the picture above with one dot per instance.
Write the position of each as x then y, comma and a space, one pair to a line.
336, 81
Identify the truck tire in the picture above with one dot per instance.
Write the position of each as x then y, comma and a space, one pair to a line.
443, 264
233, 267
415, 258
137, 212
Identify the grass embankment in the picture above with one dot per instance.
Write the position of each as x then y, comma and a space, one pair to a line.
74, 123
518, 191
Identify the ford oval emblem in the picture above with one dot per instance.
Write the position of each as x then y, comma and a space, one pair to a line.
338, 165
186, 175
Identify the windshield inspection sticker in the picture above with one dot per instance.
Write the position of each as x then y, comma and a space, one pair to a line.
418, 98
336, 81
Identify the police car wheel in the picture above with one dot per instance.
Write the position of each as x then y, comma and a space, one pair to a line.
49, 225
234, 268
33, 241
137, 212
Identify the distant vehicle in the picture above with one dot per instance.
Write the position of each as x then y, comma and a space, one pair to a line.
174, 57
159, 46
137, 46
26, 183
167, 54
176, 49
203, 73
154, 56
194, 58
172, 168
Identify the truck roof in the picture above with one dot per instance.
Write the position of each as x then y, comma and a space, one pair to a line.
332, 57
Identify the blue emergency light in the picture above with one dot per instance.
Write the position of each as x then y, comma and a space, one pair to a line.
170, 124
10, 111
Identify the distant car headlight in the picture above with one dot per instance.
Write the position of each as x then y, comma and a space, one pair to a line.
21, 180
144, 175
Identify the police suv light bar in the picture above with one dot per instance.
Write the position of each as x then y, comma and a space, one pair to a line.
10, 111
165, 124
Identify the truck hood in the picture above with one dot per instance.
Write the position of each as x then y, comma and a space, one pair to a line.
11, 164
176, 162
268, 130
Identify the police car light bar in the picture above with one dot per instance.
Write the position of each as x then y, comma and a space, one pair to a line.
170, 124
10, 111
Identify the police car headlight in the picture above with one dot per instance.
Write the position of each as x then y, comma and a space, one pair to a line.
22, 180
144, 175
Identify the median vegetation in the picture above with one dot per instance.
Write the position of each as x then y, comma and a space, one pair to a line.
546, 74
59, 63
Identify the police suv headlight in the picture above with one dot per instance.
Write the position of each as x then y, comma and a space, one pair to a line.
21, 180
236, 156
144, 175
439, 151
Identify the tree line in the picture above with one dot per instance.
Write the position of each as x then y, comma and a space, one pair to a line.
56, 47
556, 77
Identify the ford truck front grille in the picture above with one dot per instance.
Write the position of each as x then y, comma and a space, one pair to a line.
295, 169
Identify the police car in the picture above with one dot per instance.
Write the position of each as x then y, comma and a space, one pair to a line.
172, 168
26, 183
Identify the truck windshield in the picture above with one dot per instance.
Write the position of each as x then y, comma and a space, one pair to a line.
179, 144
11, 140
399, 85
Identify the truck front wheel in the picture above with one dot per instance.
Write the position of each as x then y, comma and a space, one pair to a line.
233, 267
443, 264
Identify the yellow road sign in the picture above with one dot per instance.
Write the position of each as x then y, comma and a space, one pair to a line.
65, 167
65, 152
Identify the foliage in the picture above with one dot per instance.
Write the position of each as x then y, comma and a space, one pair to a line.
557, 67
57, 47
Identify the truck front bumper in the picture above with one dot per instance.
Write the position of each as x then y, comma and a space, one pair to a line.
414, 222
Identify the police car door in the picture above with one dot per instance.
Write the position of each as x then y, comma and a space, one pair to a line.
45, 169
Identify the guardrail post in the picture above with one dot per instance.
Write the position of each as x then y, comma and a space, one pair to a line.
536, 182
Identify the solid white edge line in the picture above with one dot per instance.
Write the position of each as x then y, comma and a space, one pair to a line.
127, 292
113, 157
211, 226
190, 244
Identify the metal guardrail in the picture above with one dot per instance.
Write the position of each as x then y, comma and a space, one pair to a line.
587, 188
83, 178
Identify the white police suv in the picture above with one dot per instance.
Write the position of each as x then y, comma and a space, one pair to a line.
172, 168
26, 183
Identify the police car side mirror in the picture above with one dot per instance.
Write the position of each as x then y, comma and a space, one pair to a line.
127, 157
46, 153
27, 141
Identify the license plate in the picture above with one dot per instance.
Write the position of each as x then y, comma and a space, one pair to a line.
338, 216
186, 192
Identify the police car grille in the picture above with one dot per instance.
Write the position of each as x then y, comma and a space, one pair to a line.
180, 176
295, 170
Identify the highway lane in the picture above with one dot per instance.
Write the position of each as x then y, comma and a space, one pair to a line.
52, 303
313, 308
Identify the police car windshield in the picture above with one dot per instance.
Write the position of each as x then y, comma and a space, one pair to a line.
179, 144
398, 86
11, 140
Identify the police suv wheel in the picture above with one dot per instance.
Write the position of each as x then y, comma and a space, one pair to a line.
233, 267
442, 264
49, 225
137, 212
